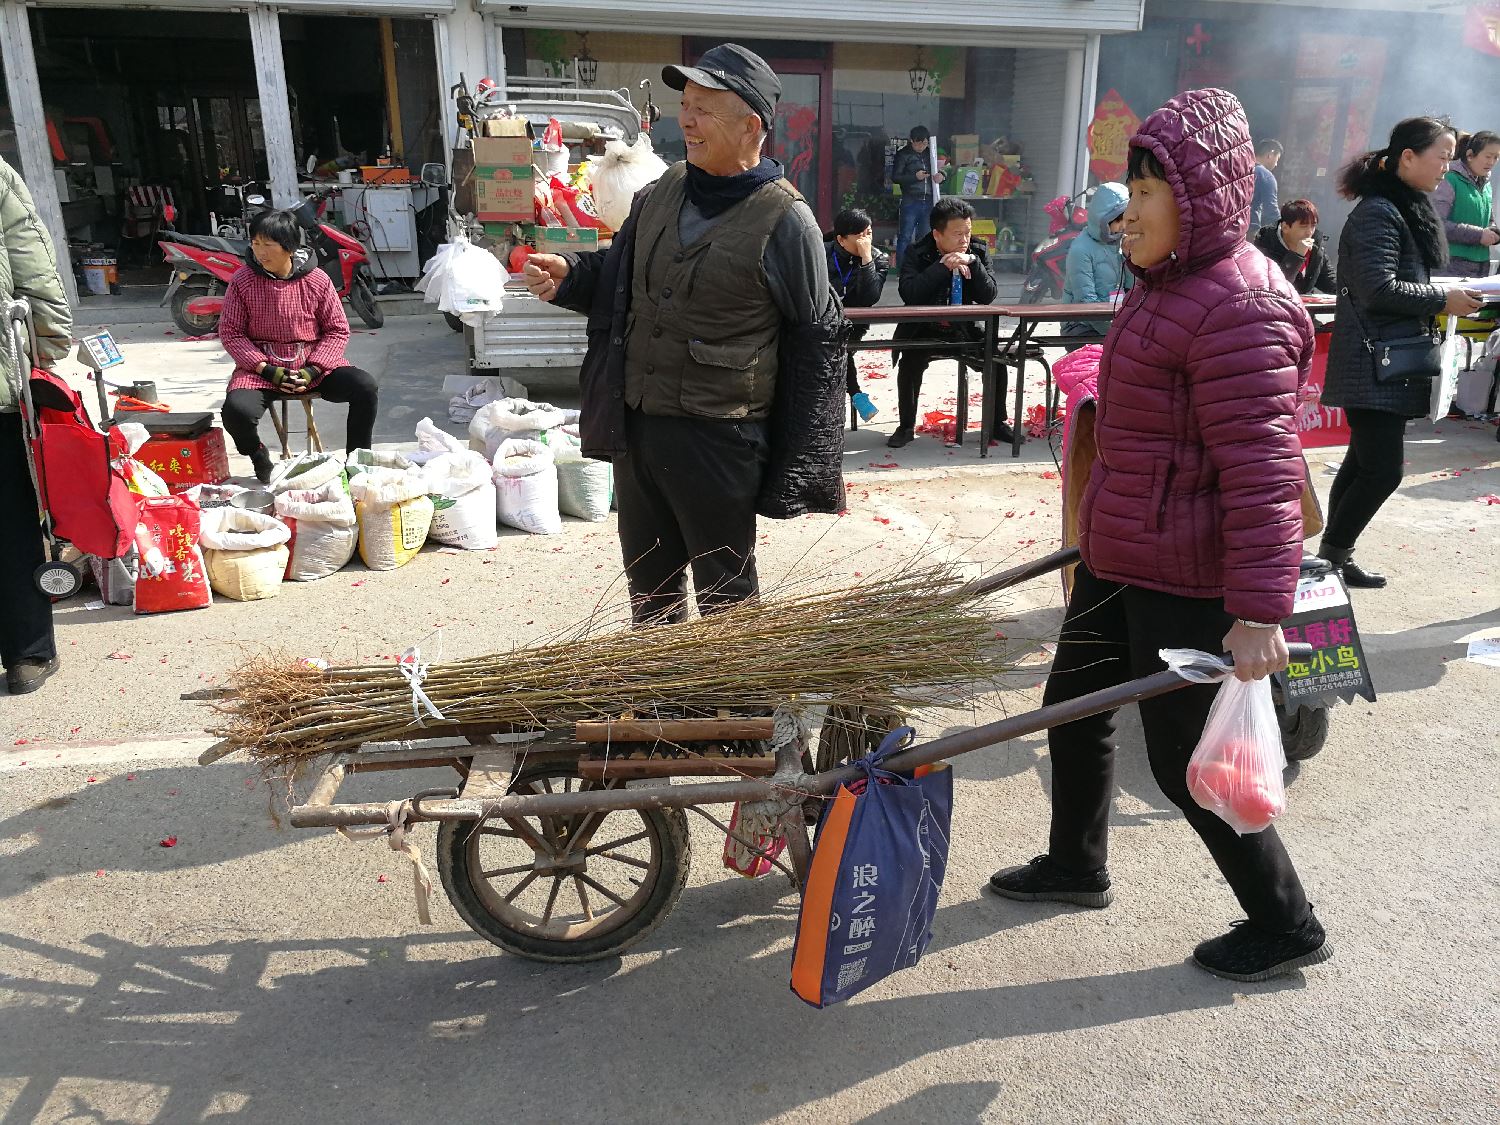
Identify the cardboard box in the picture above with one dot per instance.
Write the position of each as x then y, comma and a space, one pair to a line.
559, 240
965, 148
502, 151
185, 461
504, 195
968, 181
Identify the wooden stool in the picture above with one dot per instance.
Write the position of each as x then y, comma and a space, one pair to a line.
283, 427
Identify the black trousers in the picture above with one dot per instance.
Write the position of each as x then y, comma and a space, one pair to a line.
686, 491
851, 381
1112, 634
25, 612
913, 365
243, 408
1370, 473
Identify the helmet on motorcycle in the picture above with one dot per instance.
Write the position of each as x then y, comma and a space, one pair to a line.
484, 87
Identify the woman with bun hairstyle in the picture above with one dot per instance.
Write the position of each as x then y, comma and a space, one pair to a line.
1390, 245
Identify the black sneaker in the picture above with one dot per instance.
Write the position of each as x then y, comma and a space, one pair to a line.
1249, 953
902, 436
1004, 434
25, 677
1358, 578
1041, 880
261, 459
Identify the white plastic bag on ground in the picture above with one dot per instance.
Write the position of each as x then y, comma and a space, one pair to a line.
463, 406
616, 176
476, 281
324, 535
306, 470
526, 487
244, 552
393, 513
363, 459
584, 486
434, 442
511, 418
462, 490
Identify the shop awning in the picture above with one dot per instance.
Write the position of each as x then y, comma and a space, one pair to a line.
407, 8
973, 23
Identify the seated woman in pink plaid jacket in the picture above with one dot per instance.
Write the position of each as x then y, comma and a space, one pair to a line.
285, 329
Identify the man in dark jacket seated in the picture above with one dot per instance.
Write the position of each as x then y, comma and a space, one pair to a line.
948, 266
1294, 245
714, 378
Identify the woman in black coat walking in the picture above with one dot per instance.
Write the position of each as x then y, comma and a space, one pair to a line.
1388, 248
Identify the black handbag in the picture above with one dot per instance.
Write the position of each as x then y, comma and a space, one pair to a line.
1404, 358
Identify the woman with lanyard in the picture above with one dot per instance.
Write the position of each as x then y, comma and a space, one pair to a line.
857, 271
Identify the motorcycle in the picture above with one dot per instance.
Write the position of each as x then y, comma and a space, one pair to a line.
203, 264
1049, 261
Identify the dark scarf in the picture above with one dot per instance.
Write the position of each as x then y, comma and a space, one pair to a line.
713, 195
1416, 208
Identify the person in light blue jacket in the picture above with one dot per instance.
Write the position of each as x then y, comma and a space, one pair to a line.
1095, 267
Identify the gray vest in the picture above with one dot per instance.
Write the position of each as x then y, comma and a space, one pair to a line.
703, 326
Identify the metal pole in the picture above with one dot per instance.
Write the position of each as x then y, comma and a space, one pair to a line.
30, 118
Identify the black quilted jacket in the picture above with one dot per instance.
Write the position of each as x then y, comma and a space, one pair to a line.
1384, 294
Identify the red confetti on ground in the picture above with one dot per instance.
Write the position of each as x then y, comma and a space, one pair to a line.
21, 742
1049, 475
885, 465
99, 874
380, 878
1489, 498
361, 582
171, 792
74, 730
881, 519
168, 841
130, 777
92, 780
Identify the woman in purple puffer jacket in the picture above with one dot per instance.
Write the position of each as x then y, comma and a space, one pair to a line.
1191, 526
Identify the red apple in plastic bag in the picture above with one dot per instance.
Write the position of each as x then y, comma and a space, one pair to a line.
1254, 806
1212, 782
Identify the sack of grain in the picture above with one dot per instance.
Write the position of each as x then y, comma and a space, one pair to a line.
244, 552
585, 487
462, 490
324, 534
393, 513
512, 418
526, 487
362, 459
306, 470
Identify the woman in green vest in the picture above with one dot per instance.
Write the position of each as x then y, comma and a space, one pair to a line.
1465, 203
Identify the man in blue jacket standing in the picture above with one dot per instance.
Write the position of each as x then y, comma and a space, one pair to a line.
1265, 207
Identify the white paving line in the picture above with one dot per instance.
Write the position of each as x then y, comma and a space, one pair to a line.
58, 755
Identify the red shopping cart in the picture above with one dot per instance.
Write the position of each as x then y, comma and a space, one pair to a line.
81, 498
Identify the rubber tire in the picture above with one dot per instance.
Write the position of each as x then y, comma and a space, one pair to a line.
1304, 733
362, 300
186, 322
454, 322
56, 571
671, 828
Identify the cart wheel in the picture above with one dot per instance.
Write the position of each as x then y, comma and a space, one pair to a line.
565, 888
58, 580
1303, 734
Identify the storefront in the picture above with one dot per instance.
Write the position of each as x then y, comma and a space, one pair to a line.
194, 105
1327, 80
1009, 80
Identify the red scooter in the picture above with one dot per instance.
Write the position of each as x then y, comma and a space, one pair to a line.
1049, 261
203, 264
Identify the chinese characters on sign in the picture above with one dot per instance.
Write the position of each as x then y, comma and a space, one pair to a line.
1337, 669
860, 934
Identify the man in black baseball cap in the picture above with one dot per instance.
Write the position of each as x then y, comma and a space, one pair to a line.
717, 391
736, 69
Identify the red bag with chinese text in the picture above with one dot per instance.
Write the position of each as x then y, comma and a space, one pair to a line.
172, 574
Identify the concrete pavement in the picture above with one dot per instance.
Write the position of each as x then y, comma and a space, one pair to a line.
255, 974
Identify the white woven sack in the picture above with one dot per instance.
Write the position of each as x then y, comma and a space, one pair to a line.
324, 534
584, 486
526, 487
363, 459
511, 418
463, 496
240, 529
433, 442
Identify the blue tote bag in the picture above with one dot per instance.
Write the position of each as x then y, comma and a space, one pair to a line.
878, 863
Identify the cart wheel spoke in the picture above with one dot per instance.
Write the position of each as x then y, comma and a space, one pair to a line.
521, 886
529, 834
491, 830
603, 890
557, 881
505, 871
583, 831
583, 897
627, 859
613, 844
